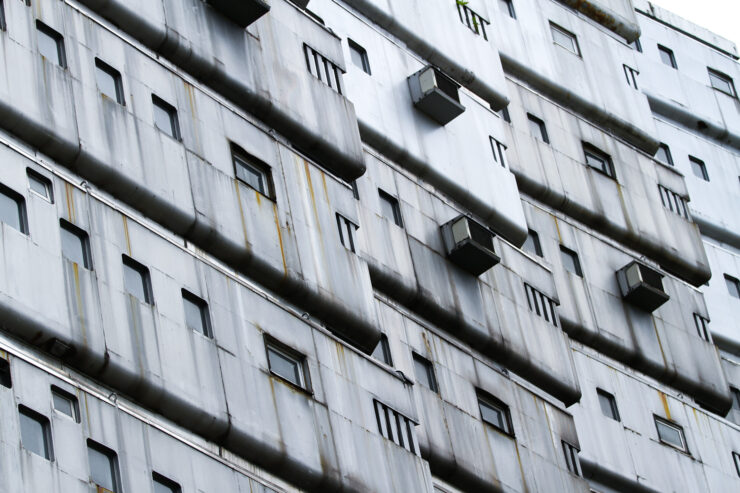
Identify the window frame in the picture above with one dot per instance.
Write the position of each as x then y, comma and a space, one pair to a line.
355, 47
296, 357
71, 398
716, 74
146, 281
736, 459
664, 50
385, 351
344, 225
566, 252
45, 424
698, 164
6, 377
241, 159
541, 128
534, 238
112, 457
3, 23
572, 461
667, 152
427, 366
395, 206
611, 402
115, 74
735, 283
58, 40
204, 312
34, 175
171, 112
575, 47
84, 238
486, 399
168, 483
499, 152
607, 166
20, 202
631, 75
509, 4
676, 427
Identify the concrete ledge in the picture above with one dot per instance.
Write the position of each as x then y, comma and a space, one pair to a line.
615, 480
717, 232
242, 12
622, 26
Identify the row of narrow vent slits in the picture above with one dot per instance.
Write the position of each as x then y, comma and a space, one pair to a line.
396, 427
540, 304
323, 69
673, 201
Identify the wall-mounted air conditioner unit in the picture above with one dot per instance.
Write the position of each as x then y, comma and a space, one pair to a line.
469, 245
642, 286
435, 94
242, 12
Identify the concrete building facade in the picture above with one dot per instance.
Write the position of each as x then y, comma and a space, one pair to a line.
367, 246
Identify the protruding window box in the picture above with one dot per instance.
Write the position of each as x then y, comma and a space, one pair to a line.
435, 94
469, 245
242, 12
642, 286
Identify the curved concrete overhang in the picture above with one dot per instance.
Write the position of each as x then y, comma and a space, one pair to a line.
602, 474
716, 231
611, 20
589, 111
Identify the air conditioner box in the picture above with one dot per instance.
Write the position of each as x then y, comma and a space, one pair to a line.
435, 94
242, 12
642, 286
469, 245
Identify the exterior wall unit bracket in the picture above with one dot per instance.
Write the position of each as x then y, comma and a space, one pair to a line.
469, 245
242, 12
435, 95
642, 286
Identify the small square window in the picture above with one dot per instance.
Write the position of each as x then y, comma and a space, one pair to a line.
565, 38
667, 57
65, 403
359, 56
571, 458
164, 485
35, 433
109, 81
664, 154
598, 160
136, 280
701, 324
75, 244
51, 44
495, 413
103, 467
390, 208
382, 351
499, 152
537, 128
40, 185
196, 314
13, 209
507, 7
722, 82
608, 404
165, 117
699, 168
733, 286
287, 364
570, 261
5, 378
424, 370
347, 231
532, 243
736, 459
252, 171
670, 434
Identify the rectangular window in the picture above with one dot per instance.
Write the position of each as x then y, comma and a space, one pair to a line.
571, 458
196, 314
475, 22
396, 427
566, 39
35, 433
701, 326
504, 113
13, 209
164, 485
382, 351
355, 190
570, 261
598, 160
347, 231
667, 57
673, 201
671, 434
608, 404
51, 44
424, 371
323, 69
735, 398
736, 459
495, 413
65, 403
252, 171
40, 185
75, 244
532, 243
358, 54
499, 152
136, 280
540, 304
103, 466
699, 168
109, 81
537, 128
664, 154
5, 378
631, 75
165, 117
636, 45
287, 364
507, 7
3, 26
390, 209
722, 82
733, 286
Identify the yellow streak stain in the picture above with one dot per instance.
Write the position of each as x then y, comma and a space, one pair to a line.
665, 405
313, 198
241, 212
521, 468
125, 232
280, 238
69, 193
78, 298
193, 112
557, 228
